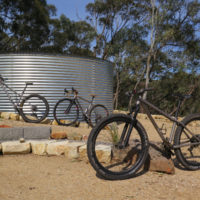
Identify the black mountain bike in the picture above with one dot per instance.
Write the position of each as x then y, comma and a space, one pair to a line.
125, 141
32, 108
66, 111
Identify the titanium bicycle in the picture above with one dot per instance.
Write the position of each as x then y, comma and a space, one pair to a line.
126, 143
66, 110
32, 108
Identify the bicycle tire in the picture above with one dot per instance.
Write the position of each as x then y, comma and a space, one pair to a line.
134, 154
32, 104
188, 156
62, 118
96, 113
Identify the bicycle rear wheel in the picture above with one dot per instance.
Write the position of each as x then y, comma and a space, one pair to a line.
97, 113
34, 108
106, 152
187, 145
66, 112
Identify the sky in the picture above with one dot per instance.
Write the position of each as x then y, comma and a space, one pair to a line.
73, 9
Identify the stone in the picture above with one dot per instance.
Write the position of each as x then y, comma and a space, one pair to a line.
83, 153
46, 121
14, 116
9, 134
43, 132
39, 147
5, 126
21, 140
5, 115
158, 160
57, 148
72, 150
57, 136
74, 136
54, 122
15, 147
103, 153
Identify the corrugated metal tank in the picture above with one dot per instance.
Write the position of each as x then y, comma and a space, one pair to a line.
52, 73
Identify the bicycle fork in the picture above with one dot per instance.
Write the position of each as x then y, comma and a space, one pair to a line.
126, 133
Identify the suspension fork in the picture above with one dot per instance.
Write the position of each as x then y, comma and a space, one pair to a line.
126, 133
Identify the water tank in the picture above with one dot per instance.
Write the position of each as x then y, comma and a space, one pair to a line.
52, 73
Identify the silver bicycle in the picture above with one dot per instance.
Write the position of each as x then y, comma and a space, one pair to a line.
32, 108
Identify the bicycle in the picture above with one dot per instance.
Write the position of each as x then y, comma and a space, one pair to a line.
126, 141
32, 108
66, 110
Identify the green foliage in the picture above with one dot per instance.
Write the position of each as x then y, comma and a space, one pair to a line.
155, 41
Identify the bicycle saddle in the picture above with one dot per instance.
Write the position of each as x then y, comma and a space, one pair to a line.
29, 83
93, 95
182, 96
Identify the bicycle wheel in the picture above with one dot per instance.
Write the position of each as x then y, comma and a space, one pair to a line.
106, 152
66, 112
187, 141
96, 113
34, 108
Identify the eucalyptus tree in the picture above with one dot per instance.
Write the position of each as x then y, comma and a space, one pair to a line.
173, 27
24, 25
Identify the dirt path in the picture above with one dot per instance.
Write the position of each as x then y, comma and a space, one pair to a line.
31, 177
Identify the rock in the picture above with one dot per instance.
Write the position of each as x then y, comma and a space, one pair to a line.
72, 150
74, 136
15, 147
158, 161
46, 121
54, 122
5, 115
9, 134
83, 153
39, 147
57, 148
14, 116
103, 153
21, 140
5, 126
57, 136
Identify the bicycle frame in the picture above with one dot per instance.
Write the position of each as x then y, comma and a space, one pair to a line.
168, 142
19, 97
85, 113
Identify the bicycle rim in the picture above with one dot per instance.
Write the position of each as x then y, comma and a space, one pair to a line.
34, 108
189, 154
97, 113
108, 158
66, 112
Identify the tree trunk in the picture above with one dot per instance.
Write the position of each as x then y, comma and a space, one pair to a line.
116, 97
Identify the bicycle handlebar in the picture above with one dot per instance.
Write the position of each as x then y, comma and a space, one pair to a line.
140, 92
75, 92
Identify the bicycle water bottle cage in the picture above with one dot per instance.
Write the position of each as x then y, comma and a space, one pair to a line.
29, 83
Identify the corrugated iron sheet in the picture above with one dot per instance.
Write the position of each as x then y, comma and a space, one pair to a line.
52, 73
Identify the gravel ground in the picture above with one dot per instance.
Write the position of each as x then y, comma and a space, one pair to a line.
31, 177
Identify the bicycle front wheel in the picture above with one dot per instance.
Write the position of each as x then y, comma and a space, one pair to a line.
187, 142
97, 113
107, 151
66, 112
34, 108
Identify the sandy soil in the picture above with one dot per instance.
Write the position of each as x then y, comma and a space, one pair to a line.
31, 177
